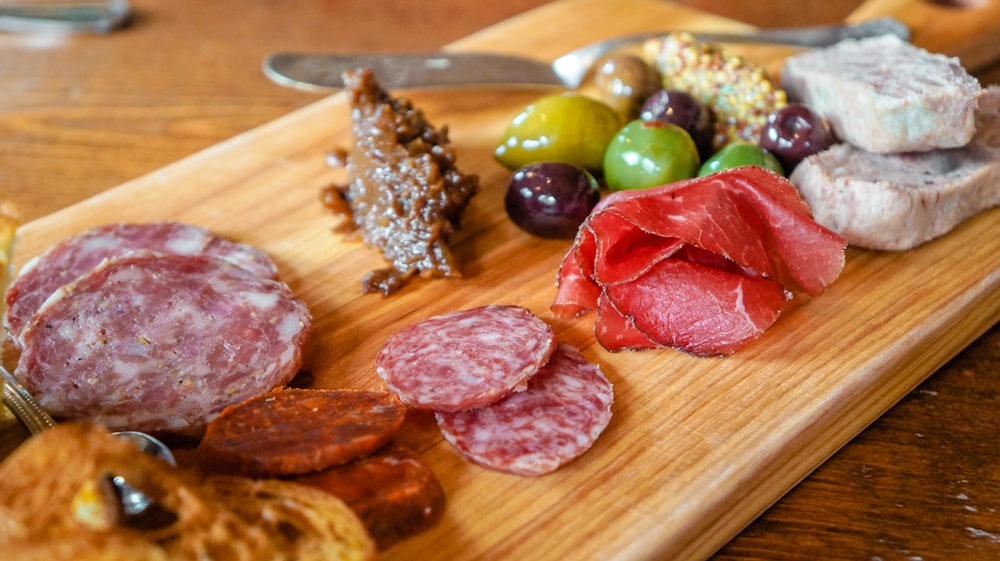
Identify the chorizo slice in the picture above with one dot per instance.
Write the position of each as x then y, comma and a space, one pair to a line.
296, 431
63, 262
393, 492
465, 359
565, 407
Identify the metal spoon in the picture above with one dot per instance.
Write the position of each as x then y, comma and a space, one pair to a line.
64, 16
26, 408
574, 66
319, 72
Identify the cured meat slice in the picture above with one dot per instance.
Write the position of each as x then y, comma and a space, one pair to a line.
393, 492
566, 406
703, 310
751, 216
295, 431
575, 293
616, 332
704, 265
161, 343
465, 359
74, 256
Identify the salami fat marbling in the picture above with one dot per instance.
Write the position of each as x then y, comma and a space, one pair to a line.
65, 261
465, 359
565, 407
161, 342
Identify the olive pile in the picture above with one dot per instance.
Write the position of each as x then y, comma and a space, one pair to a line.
630, 135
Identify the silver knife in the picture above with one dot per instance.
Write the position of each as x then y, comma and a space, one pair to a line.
321, 72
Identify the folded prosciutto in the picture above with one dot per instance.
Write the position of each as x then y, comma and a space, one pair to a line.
704, 265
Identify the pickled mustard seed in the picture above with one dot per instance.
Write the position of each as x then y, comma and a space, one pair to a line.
740, 93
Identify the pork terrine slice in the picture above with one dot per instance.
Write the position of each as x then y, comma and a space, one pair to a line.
899, 201
886, 95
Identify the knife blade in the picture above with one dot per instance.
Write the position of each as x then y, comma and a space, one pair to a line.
408, 70
320, 72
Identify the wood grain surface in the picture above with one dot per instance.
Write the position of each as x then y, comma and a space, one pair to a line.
697, 449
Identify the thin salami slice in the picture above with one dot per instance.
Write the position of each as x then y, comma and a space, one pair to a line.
566, 406
465, 359
161, 343
297, 431
65, 261
393, 492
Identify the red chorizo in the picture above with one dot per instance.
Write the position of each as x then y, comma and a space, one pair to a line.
393, 492
296, 431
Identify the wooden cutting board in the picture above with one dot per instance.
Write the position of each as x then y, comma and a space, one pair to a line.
697, 447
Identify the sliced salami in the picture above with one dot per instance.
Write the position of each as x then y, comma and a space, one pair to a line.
65, 261
295, 431
565, 407
161, 343
465, 359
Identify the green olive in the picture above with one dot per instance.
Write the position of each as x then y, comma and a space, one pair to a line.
740, 153
648, 154
568, 127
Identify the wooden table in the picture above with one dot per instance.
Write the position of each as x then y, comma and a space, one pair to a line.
81, 114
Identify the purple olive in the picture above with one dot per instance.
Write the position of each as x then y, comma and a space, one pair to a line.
551, 199
682, 109
795, 132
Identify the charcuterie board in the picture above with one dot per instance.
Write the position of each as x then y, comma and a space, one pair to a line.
697, 447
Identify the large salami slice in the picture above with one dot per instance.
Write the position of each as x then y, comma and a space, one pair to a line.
161, 342
465, 359
565, 407
74, 256
296, 431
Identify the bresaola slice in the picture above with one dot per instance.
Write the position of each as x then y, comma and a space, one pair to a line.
704, 265
703, 310
465, 359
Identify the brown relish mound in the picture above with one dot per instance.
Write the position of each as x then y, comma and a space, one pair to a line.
404, 194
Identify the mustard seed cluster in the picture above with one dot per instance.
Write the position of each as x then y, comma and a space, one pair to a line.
740, 93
